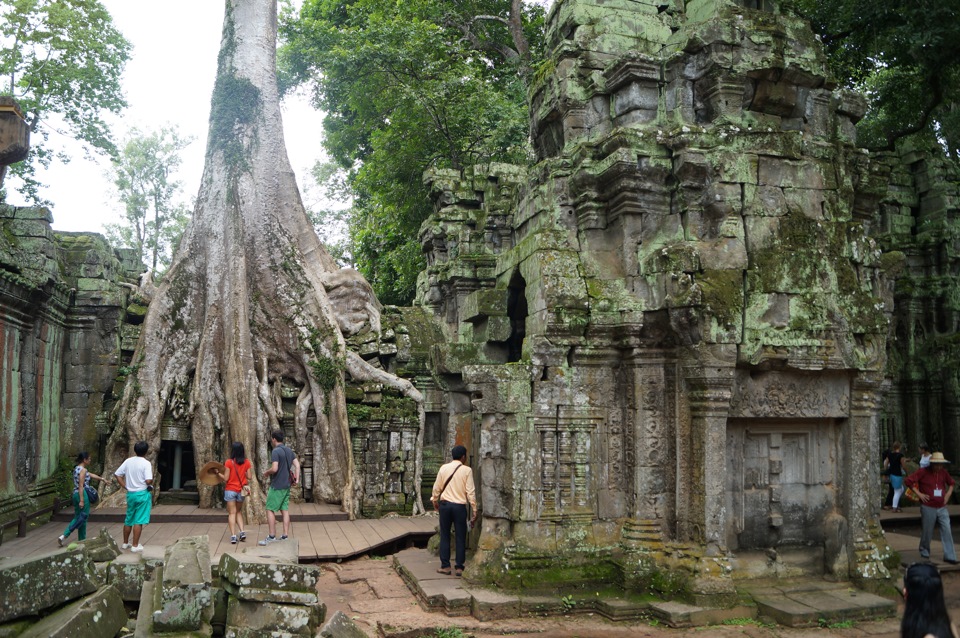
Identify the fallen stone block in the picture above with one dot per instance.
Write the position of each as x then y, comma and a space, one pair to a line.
184, 599
492, 605
102, 547
31, 585
340, 626
101, 614
263, 579
249, 619
128, 573
144, 624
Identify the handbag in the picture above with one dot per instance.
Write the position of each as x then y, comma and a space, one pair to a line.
92, 496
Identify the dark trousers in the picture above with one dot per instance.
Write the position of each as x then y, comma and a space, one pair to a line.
889, 500
453, 514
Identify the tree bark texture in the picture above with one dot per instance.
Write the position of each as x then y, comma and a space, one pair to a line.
246, 304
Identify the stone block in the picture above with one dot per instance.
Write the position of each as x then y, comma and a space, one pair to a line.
102, 547
340, 626
249, 619
95, 616
262, 578
484, 303
184, 601
31, 585
129, 572
489, 605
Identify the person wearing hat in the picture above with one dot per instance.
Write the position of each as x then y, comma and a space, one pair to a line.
934, 487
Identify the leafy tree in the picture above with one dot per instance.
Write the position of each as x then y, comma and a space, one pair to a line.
154, 219
62, 60
904, 56
406, 86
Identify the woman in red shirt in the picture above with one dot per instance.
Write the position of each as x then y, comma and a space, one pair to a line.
236, 475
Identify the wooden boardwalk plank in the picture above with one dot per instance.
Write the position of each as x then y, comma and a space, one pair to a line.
319, 540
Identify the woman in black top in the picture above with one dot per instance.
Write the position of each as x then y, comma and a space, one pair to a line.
895, 468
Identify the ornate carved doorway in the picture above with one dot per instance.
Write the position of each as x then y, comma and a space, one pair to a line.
781, 482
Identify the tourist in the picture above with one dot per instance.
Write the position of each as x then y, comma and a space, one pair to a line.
452, 491
894, 466
925, 612
236, 476
924, 455
135, 475
283, 473
888, 501
934, 486
81, 499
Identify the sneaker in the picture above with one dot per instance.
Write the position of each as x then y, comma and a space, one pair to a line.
138, 549
126, 546
233, 540
283, 538
243, 536
60, 541
268, 540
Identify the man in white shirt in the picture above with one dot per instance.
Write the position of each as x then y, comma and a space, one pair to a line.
136, 476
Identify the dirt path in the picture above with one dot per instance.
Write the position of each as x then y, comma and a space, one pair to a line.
369, 591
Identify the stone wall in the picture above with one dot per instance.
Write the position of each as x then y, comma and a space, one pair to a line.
654, 329
62, 300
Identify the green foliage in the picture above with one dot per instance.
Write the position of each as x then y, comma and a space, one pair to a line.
449, 632
153, 218
904, 56
406, 86
235, 102
62, 60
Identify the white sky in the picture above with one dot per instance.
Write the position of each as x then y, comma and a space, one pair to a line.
168, 81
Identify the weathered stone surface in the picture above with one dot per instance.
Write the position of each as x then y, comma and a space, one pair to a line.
101, 614
267, 579
340, 626
32, 585
247, 619
185, 600
129, 572
102, 547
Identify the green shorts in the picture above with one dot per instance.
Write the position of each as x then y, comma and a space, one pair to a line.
278, 500
138, 508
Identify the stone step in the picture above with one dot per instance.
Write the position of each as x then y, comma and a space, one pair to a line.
807, 603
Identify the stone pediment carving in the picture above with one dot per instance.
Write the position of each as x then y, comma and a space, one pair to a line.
785, 395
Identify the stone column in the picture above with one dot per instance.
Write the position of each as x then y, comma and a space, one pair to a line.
859, 484
177, 465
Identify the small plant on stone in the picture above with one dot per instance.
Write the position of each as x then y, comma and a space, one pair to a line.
569, 604
449, 632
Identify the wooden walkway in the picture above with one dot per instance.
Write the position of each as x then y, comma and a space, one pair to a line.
320, 540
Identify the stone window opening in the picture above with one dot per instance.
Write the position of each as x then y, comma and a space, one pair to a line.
517, 311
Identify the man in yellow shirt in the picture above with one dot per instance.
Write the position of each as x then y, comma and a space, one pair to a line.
452, 490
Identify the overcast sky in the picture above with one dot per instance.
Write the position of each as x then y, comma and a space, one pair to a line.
168, 81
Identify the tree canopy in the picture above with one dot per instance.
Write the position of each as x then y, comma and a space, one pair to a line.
154, 214
904, 56
62, 60
406, 86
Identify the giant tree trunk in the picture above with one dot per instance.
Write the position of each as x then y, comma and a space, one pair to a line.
246, 303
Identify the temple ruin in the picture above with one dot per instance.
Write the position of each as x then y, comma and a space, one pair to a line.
673, 345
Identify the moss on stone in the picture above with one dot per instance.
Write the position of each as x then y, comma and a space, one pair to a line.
723, 295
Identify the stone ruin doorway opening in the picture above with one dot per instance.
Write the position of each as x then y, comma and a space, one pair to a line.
177, 472
517, 312
782, 487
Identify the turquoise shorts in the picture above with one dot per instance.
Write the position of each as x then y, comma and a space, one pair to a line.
138, 508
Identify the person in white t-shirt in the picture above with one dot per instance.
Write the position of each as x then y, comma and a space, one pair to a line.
925, 454
136, 476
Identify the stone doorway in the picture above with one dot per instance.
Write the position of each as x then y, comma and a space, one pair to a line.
782, 485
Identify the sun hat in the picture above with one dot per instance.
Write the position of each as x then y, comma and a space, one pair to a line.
937, 457
208, 473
